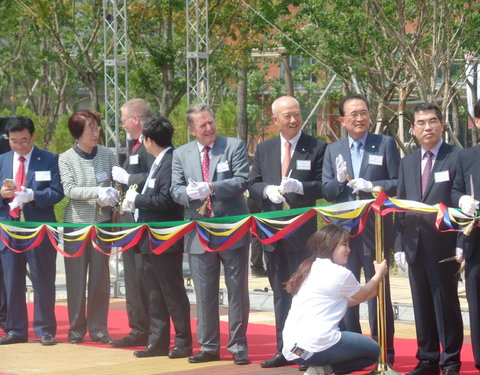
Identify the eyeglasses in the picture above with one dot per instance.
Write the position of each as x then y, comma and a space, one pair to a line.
92, 130
354, 115
19, 142
128, 118
432, 122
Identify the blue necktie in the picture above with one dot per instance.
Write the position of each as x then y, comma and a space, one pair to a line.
356, 157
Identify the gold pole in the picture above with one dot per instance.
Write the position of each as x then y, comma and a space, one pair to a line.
382, 366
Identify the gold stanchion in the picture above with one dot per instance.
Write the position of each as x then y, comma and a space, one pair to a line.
382, 366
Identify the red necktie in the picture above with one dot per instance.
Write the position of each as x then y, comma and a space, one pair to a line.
20, 180
135, 146
286, 158
427, 171
205, 174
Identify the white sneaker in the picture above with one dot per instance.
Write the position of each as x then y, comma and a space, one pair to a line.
319, 370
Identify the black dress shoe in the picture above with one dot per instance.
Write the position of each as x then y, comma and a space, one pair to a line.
241, 358
204, 356
105, 339
426, 368
278, 360
151, 351
12, 339
75, 339
450, 371
180, 352
129, 341
47, 340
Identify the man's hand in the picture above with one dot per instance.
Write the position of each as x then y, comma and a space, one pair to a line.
341, 166
359, 184
401, 261
291, 185
120, 175
468, 205
272, 192
128, 204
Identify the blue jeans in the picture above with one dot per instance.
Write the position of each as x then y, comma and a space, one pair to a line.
352, 353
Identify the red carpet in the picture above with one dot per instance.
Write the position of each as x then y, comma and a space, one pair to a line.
261, 341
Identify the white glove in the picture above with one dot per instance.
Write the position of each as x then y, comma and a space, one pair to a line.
400, 260
203, 189
272, 192
459, 254
128, 206
468, 205
341, 166
291, 185
359, 184
120, 175
21, 197
107, 196
130, 196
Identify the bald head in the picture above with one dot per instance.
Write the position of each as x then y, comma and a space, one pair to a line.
287, 116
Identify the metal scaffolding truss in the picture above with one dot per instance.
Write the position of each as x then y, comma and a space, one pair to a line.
115, 68
197, 51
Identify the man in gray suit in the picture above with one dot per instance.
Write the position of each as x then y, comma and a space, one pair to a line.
209, 176
352, 166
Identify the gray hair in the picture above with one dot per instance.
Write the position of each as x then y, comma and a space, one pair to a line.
195, 109
276, 101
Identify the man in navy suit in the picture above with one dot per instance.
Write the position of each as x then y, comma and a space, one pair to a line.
286, 168
426, 176
468, 174
351, 168
163, 273
30, 188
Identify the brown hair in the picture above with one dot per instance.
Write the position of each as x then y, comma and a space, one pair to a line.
79, 120
321, 244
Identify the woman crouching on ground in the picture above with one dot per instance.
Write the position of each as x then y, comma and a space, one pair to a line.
322, 290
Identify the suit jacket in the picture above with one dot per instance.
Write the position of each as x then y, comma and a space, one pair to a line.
467, 165
229, 183
138, 166
384, 174
156, 203
46, 193
410, 226
266, 171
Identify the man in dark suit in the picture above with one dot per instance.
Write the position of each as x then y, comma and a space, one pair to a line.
209, 177
426, 176
287, 168
468, 174
30, 188
135, 169
351, 168
163, 273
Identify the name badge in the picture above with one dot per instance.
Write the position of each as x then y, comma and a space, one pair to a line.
133, 159
304, 165
102, 177
375, 159
43, 176
151, 183
223, 167
442, 176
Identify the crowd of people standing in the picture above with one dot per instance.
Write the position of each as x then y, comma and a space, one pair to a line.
314, 274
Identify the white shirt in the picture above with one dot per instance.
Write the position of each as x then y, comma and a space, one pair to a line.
318, 307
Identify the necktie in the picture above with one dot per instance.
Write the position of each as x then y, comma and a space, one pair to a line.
356, 157
205, 174
427, 171
286, 158
20, 181
135, 146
